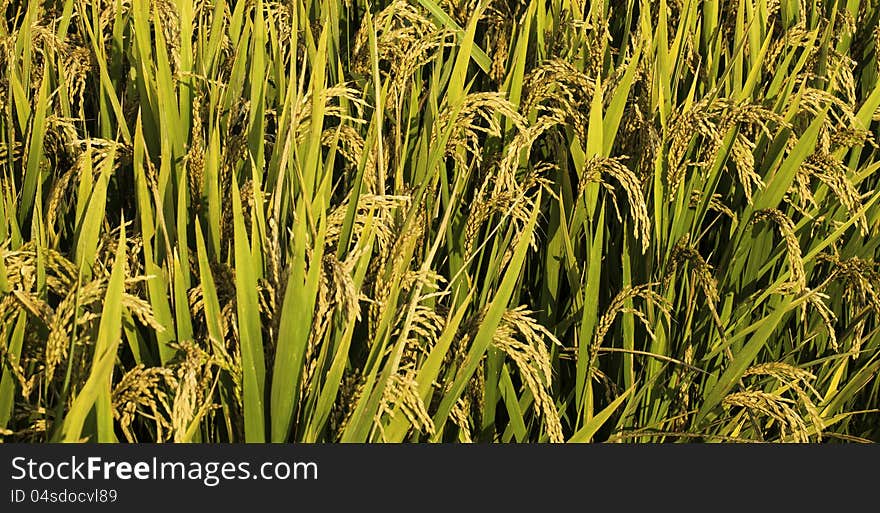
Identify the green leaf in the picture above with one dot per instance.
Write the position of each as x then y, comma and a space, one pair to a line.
491, 320
589, 429
478, 55
253, 366
96, 391
743, 359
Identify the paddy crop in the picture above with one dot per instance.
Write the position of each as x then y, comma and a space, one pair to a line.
453, 221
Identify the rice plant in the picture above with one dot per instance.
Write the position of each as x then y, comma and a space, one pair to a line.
439, 221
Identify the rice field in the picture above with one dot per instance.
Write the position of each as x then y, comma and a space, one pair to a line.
511, 221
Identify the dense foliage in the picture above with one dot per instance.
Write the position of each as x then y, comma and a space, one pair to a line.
489, 221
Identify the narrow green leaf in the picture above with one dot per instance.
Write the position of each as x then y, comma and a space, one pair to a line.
490, 323
96, 391
589, 429
253, 367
